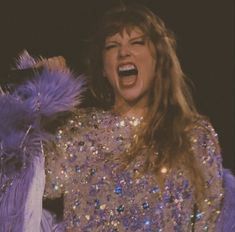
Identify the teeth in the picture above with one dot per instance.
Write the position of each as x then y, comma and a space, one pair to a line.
126, 67
127, 70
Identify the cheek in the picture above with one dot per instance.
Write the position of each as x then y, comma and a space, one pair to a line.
148, 65
108, 65
108, 71
149, 73
152, 64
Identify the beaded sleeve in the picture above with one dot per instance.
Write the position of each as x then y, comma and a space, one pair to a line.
55, 168
207, 152
57, 159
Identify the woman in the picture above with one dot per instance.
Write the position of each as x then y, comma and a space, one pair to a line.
140, 76
147, 161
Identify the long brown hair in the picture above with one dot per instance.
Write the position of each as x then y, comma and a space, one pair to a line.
172, 111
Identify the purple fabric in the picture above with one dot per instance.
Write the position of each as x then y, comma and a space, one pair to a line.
49, 223
33, 203
16, 124
226, 221
16, 167
12, 202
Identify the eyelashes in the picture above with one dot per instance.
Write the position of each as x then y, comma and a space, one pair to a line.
108, 47
138, 42
115, 45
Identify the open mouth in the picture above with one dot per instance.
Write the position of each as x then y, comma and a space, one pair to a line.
128, 75
127, 70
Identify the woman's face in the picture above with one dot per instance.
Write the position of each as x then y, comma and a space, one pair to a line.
129, 64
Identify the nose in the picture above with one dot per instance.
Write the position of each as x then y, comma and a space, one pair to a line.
124, 51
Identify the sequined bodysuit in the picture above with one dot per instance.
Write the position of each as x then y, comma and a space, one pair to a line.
98, 197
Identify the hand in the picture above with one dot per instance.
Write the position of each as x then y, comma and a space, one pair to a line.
53, 63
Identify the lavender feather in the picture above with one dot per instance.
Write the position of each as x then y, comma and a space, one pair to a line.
48, 93
12, 202
25, 60
14, 114
49, 223
51, 92
15, 118
226, 221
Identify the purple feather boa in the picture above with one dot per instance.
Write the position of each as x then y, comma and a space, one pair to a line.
49, 93
49, 223
13, 200
226, 221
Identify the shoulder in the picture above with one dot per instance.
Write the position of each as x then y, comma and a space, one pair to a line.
201, 128
204, 141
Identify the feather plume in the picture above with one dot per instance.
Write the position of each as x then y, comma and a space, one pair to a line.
52, 91
48, 93
14, 114
15, 120
49, 223
13, 202
226, 221
25, 60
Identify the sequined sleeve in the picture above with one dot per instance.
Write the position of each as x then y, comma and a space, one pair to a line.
207, 152
55, 175
56, 166
59, 157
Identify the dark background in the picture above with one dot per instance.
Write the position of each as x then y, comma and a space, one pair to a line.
204, 32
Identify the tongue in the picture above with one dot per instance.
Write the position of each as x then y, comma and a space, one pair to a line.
128, 81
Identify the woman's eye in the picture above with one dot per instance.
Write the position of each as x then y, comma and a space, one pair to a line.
138, 42
110, 46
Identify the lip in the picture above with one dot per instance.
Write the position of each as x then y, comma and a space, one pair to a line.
128, 83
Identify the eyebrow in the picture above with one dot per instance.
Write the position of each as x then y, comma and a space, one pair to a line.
137, 37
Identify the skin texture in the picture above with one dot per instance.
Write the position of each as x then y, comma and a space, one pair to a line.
130, 48
53, 63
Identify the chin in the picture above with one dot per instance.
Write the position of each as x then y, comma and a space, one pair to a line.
131, 100
130, 94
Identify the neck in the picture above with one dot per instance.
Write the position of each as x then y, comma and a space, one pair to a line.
131, 109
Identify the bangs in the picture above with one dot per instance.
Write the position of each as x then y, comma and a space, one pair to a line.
119, 22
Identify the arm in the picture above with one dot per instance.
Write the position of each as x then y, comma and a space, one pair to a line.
208, 157
56, 177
